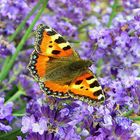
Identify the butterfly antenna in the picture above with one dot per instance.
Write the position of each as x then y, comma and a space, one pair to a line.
92, 54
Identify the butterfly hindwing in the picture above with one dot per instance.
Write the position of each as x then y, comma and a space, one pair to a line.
86, 87
54, 89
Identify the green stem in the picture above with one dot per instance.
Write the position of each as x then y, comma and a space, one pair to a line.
135, 118
127, 114
12, 135
18, 115
21, 25
99, 67
113, 14
5, 63
20, 45
82, 26
16, 96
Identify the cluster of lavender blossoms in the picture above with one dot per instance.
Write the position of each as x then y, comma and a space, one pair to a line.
5, 115
106, 32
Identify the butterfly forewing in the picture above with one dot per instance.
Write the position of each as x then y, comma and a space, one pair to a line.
50, 43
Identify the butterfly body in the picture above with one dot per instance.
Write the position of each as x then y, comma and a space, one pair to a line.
79, 65
59, 69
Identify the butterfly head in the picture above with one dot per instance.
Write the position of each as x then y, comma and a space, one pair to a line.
88, 63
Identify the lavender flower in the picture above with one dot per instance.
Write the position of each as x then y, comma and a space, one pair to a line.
5, 115
66, 28
30, 86
27, 123
122, 39
6, 48
45, 120
73, 10
61, 122
115, 52
4, 127
12, 12
136, 130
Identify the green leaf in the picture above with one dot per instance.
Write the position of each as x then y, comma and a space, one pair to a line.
99, 67
11, 135
21, 111
114, 12
16, 96
10, 93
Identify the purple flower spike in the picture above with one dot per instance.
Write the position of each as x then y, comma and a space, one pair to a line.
6, 48
5, 115
27, 123
5, 127
112, 44
40, 127
5, 110
122, 39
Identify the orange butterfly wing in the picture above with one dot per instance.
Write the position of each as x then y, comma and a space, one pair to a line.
38, 68
38, 65
51, 45
86, 88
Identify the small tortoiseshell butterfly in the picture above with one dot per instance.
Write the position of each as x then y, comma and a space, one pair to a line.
59, 69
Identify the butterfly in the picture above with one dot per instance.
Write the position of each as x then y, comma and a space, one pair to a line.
60, 71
